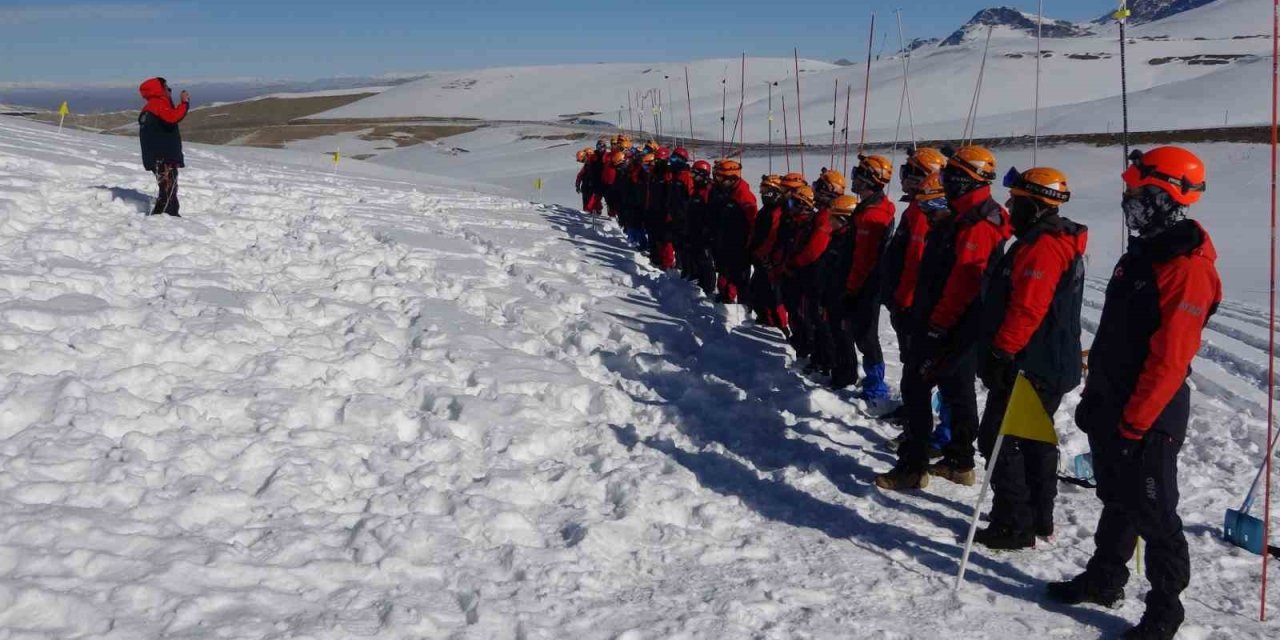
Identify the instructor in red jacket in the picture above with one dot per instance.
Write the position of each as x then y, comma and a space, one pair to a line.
1136, 402
161, 141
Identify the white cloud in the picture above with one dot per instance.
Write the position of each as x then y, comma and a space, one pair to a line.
28, 14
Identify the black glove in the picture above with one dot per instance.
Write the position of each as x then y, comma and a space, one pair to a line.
997, 370
930, 351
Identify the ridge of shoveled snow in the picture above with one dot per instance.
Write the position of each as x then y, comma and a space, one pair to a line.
335, 406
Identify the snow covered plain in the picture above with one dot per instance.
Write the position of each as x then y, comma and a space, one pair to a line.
367, 405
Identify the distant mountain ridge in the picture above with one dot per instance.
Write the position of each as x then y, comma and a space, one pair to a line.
1018, 20
1144, 11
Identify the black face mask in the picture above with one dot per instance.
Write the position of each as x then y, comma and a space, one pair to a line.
1150, 211
957, 184
1024, 213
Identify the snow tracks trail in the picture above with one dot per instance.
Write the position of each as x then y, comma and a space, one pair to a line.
334, 406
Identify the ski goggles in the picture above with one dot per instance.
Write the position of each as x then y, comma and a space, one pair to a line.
1014, 180
1137, 172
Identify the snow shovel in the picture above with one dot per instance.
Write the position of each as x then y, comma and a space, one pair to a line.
1240, 528
1083, 472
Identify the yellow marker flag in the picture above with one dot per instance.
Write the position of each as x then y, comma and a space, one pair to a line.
64, 109
337, 155
1026, 417
537, 184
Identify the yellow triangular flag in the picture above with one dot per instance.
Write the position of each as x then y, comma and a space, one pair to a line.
1026, 417
64, 109
337, 155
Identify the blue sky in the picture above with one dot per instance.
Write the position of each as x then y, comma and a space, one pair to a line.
83, 41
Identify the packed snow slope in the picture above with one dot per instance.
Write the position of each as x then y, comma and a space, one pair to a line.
1213, 58
362, 405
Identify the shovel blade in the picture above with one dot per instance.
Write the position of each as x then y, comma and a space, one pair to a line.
1084, 468
1244, 531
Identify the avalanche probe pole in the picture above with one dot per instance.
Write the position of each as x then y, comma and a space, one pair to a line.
786, 139
1122, 16
1271, 308
724, 107
799, 116
835, 109
971, 127
688, 97
770, 86
631, 116
866, 91
1035, 149
742, 106
906, 88
848, 96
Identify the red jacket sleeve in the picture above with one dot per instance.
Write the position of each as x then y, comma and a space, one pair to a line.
577, 182
686, 179
1037, 269
974, 245
816, 244
746, 201
918, 229
1189, 288
871, 227
165, 111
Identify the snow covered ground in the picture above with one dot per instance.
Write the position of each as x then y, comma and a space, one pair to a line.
364, 404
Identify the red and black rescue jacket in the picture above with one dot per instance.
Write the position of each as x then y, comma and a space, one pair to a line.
960, 254
698, 220
158, 132
764, 233
1161, 295
735, 214
872, 227
902, 258
1031, 308
678, 197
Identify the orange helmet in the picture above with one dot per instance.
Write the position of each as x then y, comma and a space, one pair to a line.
1040, 183
771, 184
844, 205
624, 141
617, 158
927, 160
803, 195
831, 183
1175, 170
728, 168
931, 188
582, 155
874, 169
793, 181
648, 158
976, 162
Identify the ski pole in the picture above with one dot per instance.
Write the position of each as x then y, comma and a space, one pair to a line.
866, 92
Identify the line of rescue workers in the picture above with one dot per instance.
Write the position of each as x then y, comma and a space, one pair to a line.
818, 261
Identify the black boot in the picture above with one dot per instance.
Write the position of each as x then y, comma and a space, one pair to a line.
1151, 629
1004, 538
1082, 589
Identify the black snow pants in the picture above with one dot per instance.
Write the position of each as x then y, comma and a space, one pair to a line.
1140, 498
1024, 482
956, 383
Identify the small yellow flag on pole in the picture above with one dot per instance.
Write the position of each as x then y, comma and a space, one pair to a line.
1026, 417
537, 184
62, 114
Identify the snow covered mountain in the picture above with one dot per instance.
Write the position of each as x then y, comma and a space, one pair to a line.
1015, 20
1144, 11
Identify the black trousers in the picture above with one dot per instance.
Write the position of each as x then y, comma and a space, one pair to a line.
956, 384
167, 181
854, 329
802, 331
1140, 498
1024, 482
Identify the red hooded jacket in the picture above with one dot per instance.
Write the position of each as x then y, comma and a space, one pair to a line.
975, 242
160, 103
871, 226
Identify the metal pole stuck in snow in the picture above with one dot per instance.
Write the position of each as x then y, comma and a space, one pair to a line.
631, 118
1122, 16
848, 96
769, 86
971, 127
742, 105
724, 111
